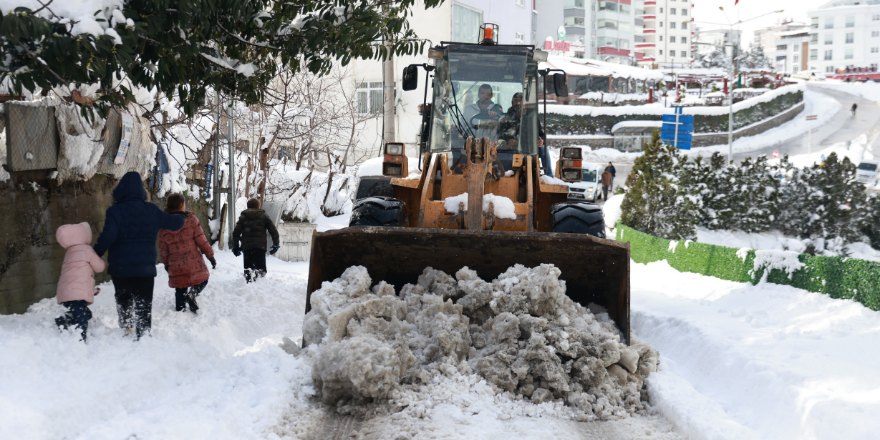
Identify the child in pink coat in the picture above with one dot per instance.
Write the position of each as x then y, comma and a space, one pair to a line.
76, 286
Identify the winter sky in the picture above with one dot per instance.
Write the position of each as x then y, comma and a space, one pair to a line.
707, 10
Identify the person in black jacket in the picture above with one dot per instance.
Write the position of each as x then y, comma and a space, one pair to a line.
249, 236
610, 169
130, 230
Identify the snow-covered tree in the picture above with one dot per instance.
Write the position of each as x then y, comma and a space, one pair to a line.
183, 48
657, 201
755, 59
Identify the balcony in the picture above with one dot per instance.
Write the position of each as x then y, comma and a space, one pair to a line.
646, 31
645, 45
650, 2
649, 17
613, 51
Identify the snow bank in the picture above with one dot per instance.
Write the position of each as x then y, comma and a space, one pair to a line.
503, 206
776, 240
781, 362
519, 334
786, 261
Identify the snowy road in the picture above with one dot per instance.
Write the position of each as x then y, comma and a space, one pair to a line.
842, 127
737, 362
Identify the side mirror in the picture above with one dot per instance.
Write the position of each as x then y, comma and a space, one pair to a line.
560, 84
411, 77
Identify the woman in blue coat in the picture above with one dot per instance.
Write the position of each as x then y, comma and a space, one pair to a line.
130, 230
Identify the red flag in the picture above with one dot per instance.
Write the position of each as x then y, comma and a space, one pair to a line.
736, 2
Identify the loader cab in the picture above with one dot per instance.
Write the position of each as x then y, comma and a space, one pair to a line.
484, 91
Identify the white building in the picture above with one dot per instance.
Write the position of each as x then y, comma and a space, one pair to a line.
845, 33
769, 39
667, 32
602, 30
706, 41
457, 21
793, 51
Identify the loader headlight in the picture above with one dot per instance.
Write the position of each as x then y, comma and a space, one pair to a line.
394, 149
573, 153
390, 169
571, 175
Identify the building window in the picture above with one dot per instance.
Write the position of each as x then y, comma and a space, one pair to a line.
369, 97
814, 38
684, 12
574, 4
829, 69
661, 24
829, 22
814, 23
873, 50
829, 38
671, 11
875, 17
875, 33
571, 21
519, 38
684, 54
684, 25
661, 10
671, 25
608, 6
795, 59
520, 2
796, 47
672, 39
465, 24
851, 21
814, 54
661, 38
782, 47
827, 55
684, 40
849, 37
661, 51
848, 54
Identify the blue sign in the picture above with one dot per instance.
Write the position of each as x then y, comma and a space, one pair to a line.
823, 156
682, 128
209, 171
682, 119
678, 109
670, 136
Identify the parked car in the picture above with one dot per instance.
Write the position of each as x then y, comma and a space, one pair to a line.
589, 188
867, 171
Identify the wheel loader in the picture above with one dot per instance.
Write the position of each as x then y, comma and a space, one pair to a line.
485, 194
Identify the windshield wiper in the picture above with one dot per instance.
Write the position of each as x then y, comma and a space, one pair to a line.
458, 116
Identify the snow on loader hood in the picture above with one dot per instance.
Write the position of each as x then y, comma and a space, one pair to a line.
520, 334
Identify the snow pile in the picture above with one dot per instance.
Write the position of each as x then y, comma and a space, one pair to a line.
81, 142
550, 180
786, 261
502, 206
520, 333
774, 239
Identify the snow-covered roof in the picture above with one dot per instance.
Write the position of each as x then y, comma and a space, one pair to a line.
715, 94
579, 67
804, 31
635, 126
711, 71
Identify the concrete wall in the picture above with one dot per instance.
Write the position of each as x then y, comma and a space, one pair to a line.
32, 207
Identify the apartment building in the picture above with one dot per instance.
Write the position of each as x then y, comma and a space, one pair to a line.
845, 33
793, 50
768, 37
667, 32
605, 30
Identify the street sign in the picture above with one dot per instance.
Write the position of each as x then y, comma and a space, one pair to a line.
684, 145
823, 157
670, 136
686, 128
811, 117
682, 119
775, 154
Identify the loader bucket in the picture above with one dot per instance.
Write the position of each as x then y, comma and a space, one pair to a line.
595, 270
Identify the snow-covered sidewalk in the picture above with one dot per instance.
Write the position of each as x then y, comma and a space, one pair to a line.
767, 361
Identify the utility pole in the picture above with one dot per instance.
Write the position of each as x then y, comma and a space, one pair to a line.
388, 92
230, 139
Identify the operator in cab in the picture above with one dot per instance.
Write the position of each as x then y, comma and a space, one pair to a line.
483, 115
510, 125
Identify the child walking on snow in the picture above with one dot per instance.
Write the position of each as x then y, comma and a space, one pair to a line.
249, 236
76, 286
181, 252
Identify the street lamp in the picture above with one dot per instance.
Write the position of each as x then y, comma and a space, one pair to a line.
733, 75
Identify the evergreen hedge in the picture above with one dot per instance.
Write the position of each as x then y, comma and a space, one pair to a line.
838, 277
601, 124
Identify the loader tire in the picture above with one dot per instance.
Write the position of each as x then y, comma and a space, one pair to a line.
578, 218
378, 211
